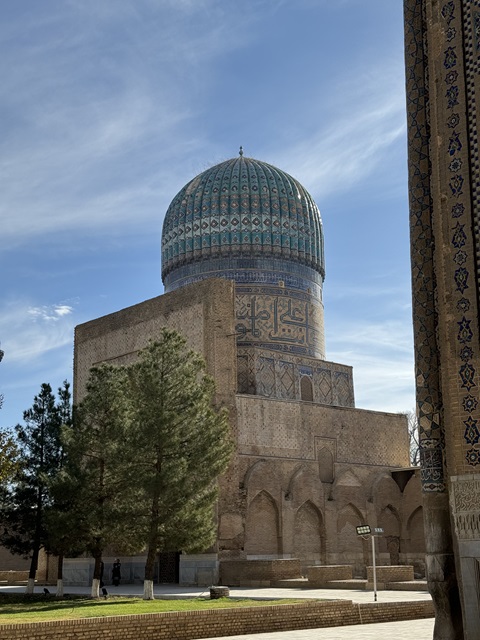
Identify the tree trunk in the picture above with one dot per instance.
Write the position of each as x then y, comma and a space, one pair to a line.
149, 572
97, 570
33, 566
95, 588
30, 585
97, 575
150, 562
36, 543
152, 543
148, 590
59, 593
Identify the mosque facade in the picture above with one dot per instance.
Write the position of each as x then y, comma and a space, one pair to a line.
243, 270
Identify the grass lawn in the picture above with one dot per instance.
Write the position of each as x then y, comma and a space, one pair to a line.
40, 609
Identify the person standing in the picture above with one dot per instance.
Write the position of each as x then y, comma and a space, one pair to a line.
116, 572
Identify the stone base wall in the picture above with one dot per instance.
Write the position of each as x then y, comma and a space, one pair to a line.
13, 576
200, 570
261, 573
197, 624
319, 575
399, 573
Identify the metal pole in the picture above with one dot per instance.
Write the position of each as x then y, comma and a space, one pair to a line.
374, 570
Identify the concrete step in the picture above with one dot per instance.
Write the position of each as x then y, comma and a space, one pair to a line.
359, 584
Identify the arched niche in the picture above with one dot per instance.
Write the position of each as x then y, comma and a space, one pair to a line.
309, 533
347, 487
383, 489
262, 475
306, 389
416, 532
325, 465
262, 526
389, 541
348, 542
304, 485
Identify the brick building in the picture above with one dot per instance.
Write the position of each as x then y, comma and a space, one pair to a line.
243, 269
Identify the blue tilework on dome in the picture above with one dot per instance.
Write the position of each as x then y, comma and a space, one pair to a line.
249, 271
242, 208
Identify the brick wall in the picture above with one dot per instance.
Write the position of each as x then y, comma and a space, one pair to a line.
202, 313
257, 572
322, 574
289, 429
402, 573
13, 576
198, 624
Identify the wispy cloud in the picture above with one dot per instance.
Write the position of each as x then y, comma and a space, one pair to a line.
49, 313
97, 122
30, 332
381, 354
366, 116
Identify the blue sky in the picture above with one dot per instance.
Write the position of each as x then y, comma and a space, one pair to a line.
108, 107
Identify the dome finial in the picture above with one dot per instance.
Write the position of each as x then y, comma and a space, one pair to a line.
241, 151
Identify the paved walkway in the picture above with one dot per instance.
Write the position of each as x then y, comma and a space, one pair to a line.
271, 593
418, 629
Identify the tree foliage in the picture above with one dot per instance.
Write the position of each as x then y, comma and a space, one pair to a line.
97, 463
146, 448
2, 353
135, 468
40, 457
180, 444
9, 458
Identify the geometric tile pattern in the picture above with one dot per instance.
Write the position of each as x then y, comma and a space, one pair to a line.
249, 222
465, 213
265, 373
427, 370
342, 387
242, 207
444, 209
265, 376
249, 270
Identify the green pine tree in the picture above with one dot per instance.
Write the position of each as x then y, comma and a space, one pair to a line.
97, 464
180, 443
28, 496
62, 532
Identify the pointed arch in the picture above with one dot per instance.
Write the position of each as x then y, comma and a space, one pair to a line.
248, 474
306, 389
382, 483
325, 465
416, 531
346, 479
262, 526
309, 533
299, 469
348, 542
389, 520
389, 542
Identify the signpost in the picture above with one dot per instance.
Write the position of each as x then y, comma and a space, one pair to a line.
364, 530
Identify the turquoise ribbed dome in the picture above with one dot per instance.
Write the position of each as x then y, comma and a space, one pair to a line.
242, 208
